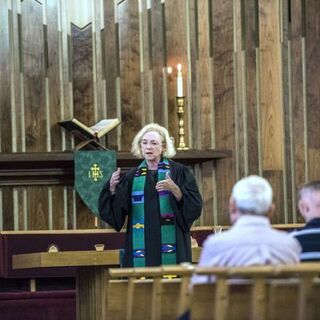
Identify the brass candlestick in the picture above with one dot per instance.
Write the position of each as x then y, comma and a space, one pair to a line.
180, 104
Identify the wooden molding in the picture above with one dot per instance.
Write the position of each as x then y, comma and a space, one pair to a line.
57, 168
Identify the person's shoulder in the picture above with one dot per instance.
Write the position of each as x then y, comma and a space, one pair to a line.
284, 238
178, 167
128, 175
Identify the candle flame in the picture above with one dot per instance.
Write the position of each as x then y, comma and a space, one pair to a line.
179, 67
169, 70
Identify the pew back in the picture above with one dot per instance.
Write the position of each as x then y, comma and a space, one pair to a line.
259, 293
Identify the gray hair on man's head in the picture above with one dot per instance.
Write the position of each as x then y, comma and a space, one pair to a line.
167, 141
308, 187
252, 194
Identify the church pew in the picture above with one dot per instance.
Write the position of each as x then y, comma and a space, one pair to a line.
263, 292
259, 292
148, 293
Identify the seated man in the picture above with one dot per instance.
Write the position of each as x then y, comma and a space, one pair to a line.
309, 236
251, 240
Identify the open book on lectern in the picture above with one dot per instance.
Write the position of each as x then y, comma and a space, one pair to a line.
89, 135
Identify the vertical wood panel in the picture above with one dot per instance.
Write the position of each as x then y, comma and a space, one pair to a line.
145, 54
270, 82
7, 202
240, 105
82, 76
223, 82
250, 8
66, 99
271, 95
158, 60
298, 121
204, 81
53, 68
313, 85
111, 62
5, 105
34, 103
195, 110
5, 102
176, 45
33, 74
287, 110
17, 108
57, 208
37, 208
129, 71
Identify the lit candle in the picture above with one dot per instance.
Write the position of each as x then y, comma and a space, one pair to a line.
179, 82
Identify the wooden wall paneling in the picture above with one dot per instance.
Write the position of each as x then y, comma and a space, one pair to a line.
7, 209
66, 94
193, 54
82, 74
145, 52
204, 80
84, 218
111, 72
176, 46
287, 112
52, 46
223, 87
313, 86
6, 17
271, 94
204, 74
130, 86
33, 75
274, 177
158, 62
17, 89
5, 108
98, 85
57, 208
250, 46
83, 100
34, 106
297, 101
240, 107
37, 208
270, 82
76, 216
22, 220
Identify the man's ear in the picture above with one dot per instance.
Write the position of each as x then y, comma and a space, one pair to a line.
233, 211
303, 207
271, 211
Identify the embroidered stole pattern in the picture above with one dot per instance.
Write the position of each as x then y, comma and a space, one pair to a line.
168, 235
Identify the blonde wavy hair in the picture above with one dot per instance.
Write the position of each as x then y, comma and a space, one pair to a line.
168, 146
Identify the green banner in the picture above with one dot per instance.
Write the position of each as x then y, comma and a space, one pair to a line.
91, 171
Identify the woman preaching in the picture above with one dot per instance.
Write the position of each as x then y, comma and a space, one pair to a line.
160, 198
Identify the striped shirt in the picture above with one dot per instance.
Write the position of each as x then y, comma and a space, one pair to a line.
309, 238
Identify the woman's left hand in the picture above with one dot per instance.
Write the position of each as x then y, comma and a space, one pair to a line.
168, 184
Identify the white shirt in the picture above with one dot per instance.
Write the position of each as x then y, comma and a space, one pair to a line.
251, 241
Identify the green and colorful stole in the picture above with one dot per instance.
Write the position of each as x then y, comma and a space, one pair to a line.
168, 233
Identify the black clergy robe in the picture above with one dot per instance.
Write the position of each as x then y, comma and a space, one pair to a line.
114, 209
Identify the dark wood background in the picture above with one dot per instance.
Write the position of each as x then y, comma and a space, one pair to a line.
251, 80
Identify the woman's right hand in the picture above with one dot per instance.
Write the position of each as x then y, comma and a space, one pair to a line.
114, 180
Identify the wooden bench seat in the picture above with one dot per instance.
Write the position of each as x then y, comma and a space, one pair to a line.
259, 293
